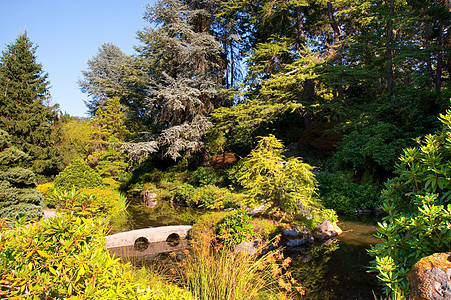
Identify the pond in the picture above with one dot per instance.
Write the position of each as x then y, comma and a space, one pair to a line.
335, 271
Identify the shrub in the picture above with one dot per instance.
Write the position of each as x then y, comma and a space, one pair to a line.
213, 197
265, 229
204, 228
64, 257
184, 193
204, 176
234, 228
338, 193
270, 178
90, 202
77, 175
418, 204
48, 192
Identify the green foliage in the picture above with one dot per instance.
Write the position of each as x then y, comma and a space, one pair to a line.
17, 194
213, 197
26, 114
418, 204
65, 257
234, 228
204, 176
108, 127
270, 178
265, 229
184, 192
342, 195
77, 175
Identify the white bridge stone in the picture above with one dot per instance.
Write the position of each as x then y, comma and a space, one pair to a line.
149, 235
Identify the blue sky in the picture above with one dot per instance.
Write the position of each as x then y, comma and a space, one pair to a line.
68, 34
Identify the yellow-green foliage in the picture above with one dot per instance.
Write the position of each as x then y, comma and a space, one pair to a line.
77, 175
91, 202
272, 179
64, 257
213, 197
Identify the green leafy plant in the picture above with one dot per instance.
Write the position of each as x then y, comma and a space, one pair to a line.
418, 204
204, 176
77, 175
235, 227
338, 193
64, 257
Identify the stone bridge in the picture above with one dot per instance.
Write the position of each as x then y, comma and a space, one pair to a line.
147, 236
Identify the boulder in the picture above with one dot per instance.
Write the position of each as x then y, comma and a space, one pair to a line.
291, 232
430, 278
327, 230
296, 242
248, 247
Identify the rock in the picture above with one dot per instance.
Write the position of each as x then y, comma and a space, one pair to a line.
150, 199
430, 278
296, 242
256, 210
327, 230
291, 232
248, 247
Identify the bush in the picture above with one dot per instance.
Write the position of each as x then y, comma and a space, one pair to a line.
344, 197
77, 175
265, 229
184, 193
64, 257
213, 197
418, 204
234, 228
90, 202
204, 176
270, 178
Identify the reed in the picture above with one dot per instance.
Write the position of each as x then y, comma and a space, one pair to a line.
223, 274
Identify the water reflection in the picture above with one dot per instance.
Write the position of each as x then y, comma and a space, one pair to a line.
339, 271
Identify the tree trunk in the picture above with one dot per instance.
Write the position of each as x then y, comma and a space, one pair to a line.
389, 49
333, 24
439, 67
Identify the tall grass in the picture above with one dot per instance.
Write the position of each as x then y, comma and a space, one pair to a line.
219, 273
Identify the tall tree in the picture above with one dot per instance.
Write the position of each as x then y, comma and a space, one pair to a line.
104, 77
25, 112
184, 66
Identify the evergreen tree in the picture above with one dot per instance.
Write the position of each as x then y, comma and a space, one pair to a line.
108, 127
25, 112
18, 195
104, 78
183, 63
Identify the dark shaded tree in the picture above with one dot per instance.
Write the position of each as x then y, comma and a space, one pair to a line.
18, 196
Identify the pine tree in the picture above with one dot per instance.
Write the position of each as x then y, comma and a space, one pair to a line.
25, 110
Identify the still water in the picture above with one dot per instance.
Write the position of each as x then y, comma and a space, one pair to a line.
338, 271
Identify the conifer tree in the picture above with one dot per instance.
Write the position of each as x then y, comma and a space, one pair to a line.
25, 112
183, 63
108, 127
18, 195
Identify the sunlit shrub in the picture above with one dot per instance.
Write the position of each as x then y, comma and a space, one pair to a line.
64, 257
213, 197
235, 227
77, 175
